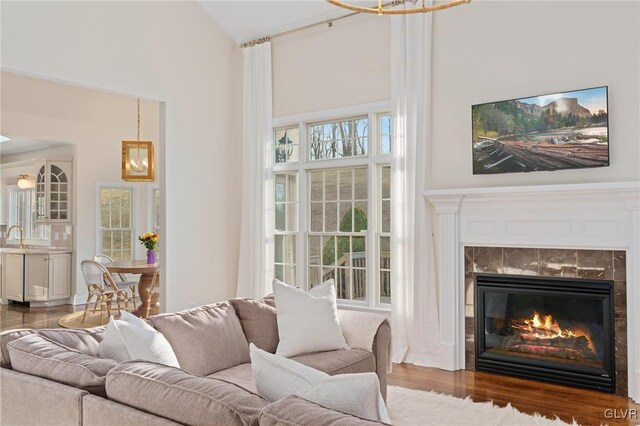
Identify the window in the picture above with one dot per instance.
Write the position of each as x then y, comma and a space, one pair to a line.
332, 206
286, 226
22, 212
116, 222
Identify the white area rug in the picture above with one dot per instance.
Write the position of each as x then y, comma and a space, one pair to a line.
408, 407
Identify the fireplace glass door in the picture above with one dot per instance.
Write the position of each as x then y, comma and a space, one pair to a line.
548, 329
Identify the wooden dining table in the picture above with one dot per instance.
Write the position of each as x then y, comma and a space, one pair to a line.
146, 271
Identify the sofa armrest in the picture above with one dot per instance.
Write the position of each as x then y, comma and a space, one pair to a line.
381, 349
369, 332
296, 411
31, 400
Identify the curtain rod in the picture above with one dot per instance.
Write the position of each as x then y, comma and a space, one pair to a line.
328, 22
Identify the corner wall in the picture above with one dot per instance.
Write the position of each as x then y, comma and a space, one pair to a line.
170, 52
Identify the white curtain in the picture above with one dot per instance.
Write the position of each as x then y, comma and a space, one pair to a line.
256, 236
414, 295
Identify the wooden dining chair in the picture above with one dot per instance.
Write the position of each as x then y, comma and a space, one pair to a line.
101, 285
121, 280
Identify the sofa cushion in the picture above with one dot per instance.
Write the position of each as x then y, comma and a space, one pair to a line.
179, 396
307, 321
36, 355
205, 339
296, 411
340, 362
278, 377
259, 322
83, 340
333, 362
133, 338
240, 375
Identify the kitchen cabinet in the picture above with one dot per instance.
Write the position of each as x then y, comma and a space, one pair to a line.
36, 278
53, 192
13, 276
59, 276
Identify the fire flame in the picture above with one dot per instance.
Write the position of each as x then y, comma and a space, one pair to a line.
546, 327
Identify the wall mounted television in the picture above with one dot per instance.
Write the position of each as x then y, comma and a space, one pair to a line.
558, 131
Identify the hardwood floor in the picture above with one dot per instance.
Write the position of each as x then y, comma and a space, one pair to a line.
587, 407
19, 316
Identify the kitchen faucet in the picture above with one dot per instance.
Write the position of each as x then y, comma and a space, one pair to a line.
21, 234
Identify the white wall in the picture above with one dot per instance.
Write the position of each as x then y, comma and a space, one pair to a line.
495, 50
95, 123
324, 68
170, 52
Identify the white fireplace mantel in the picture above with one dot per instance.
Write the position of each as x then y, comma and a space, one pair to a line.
585, 216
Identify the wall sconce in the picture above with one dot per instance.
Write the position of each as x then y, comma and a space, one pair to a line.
137, 161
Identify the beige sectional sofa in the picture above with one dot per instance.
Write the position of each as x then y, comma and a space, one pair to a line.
56, 377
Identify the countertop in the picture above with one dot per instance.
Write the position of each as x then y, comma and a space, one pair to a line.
35, 250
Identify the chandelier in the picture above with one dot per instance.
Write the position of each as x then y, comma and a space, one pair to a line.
387, 8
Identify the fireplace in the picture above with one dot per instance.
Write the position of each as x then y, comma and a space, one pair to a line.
559, 330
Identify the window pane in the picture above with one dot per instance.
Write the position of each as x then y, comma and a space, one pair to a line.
385, 269
316, 186
286, 145
346, 216
331, 185
386, 183
279, 273
385, 134
316, 217
338, 139
360, 184
346, 184
290, 249
386, 216
278, 250
328, 251
280, 217
330, 217
280, 186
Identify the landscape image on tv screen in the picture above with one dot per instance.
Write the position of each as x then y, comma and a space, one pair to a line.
567, 130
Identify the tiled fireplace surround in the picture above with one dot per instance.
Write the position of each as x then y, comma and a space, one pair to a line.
566, 263
579, 230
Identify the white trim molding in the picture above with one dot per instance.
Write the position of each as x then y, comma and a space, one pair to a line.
584, 216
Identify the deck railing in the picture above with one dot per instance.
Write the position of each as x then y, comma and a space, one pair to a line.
350, 276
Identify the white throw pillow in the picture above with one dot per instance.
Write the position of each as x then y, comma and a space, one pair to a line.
307, 322
132, 338
357, 394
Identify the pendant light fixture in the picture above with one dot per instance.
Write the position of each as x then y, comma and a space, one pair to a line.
388, 8
137, 158
25, 183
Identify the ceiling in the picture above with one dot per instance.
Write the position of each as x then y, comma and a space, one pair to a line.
249, 20
21, 145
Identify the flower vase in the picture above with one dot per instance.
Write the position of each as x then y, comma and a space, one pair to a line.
151, 257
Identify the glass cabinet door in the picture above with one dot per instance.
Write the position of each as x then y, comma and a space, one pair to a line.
59, 190
41, 194
53, 192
